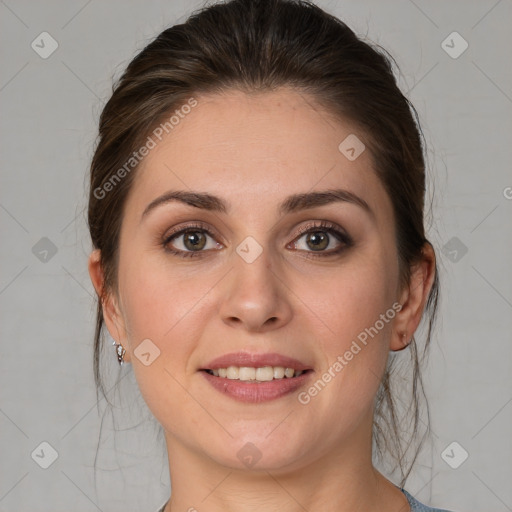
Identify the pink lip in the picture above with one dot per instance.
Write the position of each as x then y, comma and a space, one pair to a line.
255, 361
256, 392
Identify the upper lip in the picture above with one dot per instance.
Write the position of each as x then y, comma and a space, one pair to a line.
255, 361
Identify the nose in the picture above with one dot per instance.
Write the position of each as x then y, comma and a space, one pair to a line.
256, 298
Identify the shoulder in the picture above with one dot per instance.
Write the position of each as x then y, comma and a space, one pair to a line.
416, 506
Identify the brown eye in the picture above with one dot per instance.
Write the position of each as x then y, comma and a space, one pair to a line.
317, 240
194, 240
324, 239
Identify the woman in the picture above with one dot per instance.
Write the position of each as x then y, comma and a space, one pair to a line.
256, 211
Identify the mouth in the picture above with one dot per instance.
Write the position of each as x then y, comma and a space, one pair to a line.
256, 378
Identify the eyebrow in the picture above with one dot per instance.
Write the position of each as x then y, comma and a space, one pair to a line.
291, 204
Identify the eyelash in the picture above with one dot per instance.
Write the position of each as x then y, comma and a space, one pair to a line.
326, 226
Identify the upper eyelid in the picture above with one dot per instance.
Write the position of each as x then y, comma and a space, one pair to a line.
324, 224
199, 226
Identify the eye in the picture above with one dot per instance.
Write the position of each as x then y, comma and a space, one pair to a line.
190, 241
324, 238
321, 237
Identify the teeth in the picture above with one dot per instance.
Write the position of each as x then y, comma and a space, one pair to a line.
278, 372
262, 374
233, 372
245, 373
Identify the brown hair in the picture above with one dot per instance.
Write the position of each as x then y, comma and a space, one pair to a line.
260, 45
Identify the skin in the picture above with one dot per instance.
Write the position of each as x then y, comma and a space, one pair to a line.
253, 151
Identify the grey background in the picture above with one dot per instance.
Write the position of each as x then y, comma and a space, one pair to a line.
48, 126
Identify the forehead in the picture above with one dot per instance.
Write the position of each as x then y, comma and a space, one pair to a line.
255, 148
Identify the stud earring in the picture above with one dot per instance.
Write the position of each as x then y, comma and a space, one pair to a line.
120, 351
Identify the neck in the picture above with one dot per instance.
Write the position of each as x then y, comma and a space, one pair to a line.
342, 480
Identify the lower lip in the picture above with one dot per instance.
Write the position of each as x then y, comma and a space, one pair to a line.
255, 392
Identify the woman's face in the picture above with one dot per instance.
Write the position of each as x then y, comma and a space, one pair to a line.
264, 272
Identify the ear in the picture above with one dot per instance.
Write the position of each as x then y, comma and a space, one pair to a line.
413, 299
111, 312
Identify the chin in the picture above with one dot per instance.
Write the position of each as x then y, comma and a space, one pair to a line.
261, 452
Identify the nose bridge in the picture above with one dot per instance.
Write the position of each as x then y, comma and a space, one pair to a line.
256, 296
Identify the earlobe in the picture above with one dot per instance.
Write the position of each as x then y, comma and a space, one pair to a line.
405, 340
413, 299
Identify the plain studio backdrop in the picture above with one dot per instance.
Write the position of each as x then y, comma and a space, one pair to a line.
58, 61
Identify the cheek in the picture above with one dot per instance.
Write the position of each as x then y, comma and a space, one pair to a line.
167, 311
168, 306
155, 296
355, 308
351, 299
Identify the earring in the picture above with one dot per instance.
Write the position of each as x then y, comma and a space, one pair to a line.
404, 336
121, 351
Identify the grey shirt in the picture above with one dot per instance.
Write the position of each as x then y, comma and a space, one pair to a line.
416, 506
